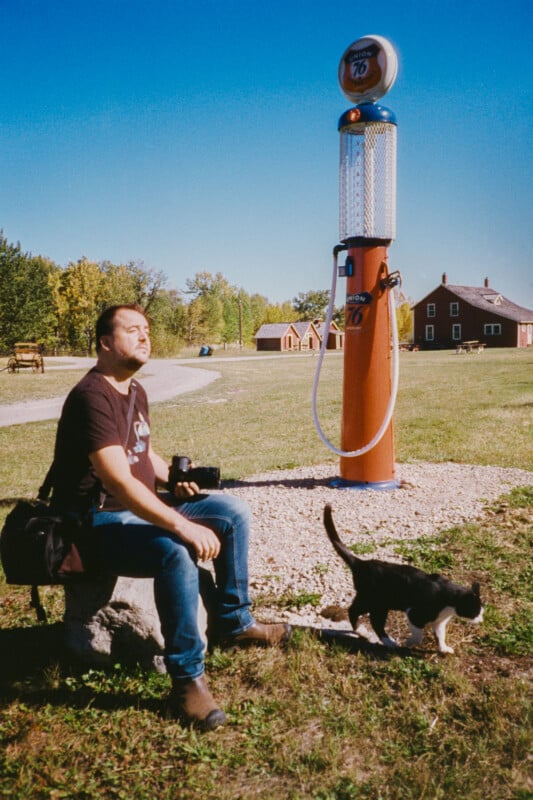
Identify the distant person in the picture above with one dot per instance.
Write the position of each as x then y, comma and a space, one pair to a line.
139, 533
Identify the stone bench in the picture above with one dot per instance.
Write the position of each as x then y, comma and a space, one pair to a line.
114, 620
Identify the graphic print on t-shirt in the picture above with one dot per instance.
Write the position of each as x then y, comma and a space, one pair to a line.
141, 430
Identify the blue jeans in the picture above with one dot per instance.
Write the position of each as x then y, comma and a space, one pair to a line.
133, 548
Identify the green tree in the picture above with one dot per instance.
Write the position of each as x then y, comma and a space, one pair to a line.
280, 312
168, 323
83, 293
130, 283
258, 308
26, 301
213, 311
311, 305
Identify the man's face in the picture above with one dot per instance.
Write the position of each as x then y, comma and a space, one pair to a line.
130, 340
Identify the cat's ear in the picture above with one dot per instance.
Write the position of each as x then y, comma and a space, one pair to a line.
476, 588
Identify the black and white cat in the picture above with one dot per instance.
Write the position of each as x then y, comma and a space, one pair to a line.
383, 586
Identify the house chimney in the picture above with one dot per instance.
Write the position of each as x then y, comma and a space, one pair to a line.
444, 279
486, 283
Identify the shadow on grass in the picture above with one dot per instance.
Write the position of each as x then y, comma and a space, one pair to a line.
27, 651
26, 655
352, 643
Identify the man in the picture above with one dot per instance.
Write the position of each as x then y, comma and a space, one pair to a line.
105, 467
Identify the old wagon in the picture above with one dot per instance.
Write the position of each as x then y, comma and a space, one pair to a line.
27, 354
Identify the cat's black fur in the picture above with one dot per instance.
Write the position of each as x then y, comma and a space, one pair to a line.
383, 586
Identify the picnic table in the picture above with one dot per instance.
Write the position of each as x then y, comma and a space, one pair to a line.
472, 346
405, 347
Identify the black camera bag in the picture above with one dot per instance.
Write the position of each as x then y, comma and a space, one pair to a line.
39, 547
42, 546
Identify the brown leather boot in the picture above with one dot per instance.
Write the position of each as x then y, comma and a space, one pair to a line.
193, 703
261, 635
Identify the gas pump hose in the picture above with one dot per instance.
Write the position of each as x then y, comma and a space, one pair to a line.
395, 371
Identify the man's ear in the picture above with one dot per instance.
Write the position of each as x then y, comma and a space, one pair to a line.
104, 342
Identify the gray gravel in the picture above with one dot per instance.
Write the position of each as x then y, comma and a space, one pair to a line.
289, 549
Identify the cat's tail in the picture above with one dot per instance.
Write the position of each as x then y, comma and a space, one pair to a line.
341, 548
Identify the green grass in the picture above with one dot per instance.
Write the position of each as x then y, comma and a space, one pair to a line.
315, 721
258, 416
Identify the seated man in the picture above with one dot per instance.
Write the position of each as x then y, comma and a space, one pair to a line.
106, 468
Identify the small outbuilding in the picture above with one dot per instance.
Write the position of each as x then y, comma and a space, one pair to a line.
285, 336
277, 336
309, 336
335, 335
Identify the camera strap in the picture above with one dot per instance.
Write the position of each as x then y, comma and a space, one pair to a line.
131, 408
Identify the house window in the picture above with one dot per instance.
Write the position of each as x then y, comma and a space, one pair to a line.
456, 333
430, 333
492, 329
454, 309
431, 310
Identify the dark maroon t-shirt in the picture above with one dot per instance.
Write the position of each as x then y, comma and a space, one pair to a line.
94, 416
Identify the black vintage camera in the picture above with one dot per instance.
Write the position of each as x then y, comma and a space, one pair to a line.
180, 471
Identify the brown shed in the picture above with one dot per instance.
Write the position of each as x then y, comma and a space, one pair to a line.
309, 336
335, 335
278, 336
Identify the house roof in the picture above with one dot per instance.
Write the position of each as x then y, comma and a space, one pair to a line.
489, 300
276, 330
333, 328
303, 327
273, 330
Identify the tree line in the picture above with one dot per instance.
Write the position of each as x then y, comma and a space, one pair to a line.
57, 307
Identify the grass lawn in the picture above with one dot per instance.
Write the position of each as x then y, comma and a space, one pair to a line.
314, 721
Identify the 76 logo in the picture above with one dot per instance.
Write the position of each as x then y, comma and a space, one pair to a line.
354, 316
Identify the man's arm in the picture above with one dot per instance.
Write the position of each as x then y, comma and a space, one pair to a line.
160, 468
112, 468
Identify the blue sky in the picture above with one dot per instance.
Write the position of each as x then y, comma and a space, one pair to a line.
200, 135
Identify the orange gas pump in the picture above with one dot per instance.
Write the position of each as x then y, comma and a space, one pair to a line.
367, 227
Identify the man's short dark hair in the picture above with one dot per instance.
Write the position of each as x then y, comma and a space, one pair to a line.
106, 321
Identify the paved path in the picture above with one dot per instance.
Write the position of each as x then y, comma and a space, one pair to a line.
163, 379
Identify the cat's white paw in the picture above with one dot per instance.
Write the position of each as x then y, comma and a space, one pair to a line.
444, 648
367, 634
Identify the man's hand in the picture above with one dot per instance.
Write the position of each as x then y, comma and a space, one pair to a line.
186, 489
204, 541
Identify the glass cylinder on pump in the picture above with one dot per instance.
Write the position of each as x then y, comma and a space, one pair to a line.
367, 174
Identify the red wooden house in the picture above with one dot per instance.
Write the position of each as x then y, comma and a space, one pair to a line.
451, 315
